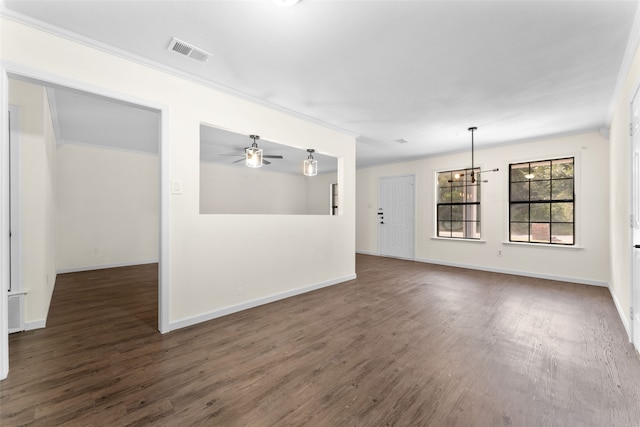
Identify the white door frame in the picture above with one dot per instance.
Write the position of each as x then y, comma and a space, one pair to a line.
634, 333
15, 200
14, 70
5, 241
413, 226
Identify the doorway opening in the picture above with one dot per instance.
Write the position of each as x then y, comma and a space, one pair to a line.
96, 188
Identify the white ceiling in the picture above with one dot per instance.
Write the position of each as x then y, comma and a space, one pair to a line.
81, 118
420, 70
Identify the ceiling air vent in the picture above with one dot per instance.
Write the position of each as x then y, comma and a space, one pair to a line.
191, 51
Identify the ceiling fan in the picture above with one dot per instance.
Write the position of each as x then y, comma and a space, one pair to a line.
253, 148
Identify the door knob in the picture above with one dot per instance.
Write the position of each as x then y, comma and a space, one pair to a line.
636, 246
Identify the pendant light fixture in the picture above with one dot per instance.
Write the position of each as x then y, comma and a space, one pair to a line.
253, 154
310, 167
474, 176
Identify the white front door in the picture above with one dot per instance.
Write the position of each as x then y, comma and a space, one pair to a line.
396, 216
635, 140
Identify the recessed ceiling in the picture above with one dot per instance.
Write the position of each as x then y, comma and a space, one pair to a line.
423, 71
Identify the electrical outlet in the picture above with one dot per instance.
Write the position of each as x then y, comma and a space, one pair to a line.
96, 251
499, 253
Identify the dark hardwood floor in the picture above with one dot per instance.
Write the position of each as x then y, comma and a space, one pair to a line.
404, 344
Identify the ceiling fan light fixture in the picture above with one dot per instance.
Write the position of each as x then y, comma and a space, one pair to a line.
310, 166
253, 154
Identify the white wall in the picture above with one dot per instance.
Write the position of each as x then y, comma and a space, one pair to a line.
588, 263
205, 257
108, 207
620, 190
227, 189
319, 193
37, 199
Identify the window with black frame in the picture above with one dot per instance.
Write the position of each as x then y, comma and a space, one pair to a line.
542, 202
458, 206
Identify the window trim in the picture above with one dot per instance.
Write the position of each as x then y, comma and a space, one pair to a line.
577, 207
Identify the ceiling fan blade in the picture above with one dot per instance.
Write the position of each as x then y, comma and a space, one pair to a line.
239, 160
228, 154
266, 162
275, 156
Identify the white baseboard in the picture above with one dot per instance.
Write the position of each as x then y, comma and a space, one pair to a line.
519, 273
625, 321
35, 324
204, 317
367, 253
104, 266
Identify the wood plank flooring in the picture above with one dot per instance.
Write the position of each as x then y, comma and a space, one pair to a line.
404, 344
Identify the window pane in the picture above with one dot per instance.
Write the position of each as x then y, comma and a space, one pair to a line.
540, 212
519, 212
540, 190
472, 194
472, 213
562, 212
563, 168
456, 194
541, 170
519, 232
443, 179
459, 175
562, 233
444, 213
472, 229
562, 189
456, 213
476, 235
444, 228
540, 232
457, 229
444, 195
518, 172
520, 191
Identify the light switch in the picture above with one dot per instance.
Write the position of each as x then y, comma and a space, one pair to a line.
176, 186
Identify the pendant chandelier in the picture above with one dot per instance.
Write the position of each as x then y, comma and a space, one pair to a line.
253, 154
474, 176
310, 166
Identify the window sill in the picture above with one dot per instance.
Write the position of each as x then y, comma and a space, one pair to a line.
458, 239
543, 245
